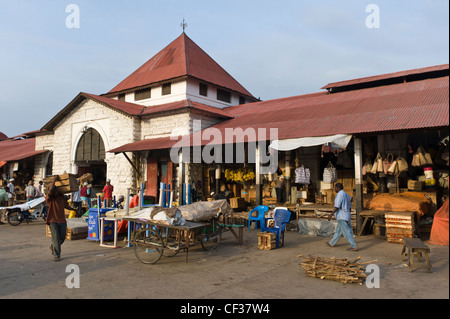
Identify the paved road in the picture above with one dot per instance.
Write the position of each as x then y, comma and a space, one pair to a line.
231, 272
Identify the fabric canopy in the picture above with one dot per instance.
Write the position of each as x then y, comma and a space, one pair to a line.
339, 140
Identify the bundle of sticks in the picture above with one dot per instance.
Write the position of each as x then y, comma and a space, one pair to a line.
338, 269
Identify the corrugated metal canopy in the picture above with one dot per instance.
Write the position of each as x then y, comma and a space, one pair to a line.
404, 106
15, 150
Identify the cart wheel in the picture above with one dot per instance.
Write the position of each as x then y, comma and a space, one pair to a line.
148, 246
211, 236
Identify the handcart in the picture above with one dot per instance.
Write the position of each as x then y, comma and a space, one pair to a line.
153, 239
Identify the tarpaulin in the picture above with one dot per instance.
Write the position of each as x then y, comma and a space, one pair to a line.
339, 140
439, 230
408, 201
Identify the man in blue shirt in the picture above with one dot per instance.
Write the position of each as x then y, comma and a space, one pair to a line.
342, 209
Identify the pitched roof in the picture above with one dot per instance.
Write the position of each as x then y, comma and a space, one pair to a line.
132, 108
124, 107
186, 104
437, 69
15, 150
182, 57
401, 106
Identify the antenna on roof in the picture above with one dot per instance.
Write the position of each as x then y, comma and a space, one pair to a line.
183, 25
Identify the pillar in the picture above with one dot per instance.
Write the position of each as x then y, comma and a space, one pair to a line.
358, 181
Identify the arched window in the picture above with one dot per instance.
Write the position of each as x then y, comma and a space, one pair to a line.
90, 147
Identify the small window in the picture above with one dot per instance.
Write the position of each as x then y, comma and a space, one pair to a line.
203, 89
166, 88
241, 100
223, 96
121, 97
143, 94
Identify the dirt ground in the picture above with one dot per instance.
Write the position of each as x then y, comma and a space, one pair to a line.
234, 272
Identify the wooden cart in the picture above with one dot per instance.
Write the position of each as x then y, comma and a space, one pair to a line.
152, 239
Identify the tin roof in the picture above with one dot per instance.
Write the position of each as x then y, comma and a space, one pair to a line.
15, 150
182, 57
388, 76
403, 106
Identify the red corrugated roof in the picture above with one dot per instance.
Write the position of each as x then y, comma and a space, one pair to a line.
404, 106
149, 144
185, 104
180, 58
15, 150
410, 105
386, 76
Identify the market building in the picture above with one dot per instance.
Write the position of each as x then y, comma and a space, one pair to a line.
128, 133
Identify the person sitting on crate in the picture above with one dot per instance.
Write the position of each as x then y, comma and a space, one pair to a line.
56, 219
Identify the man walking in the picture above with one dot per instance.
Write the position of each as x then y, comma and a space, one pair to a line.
56, 219
342, 209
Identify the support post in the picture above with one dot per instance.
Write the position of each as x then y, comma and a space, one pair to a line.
181, 176
358, 181
258, 175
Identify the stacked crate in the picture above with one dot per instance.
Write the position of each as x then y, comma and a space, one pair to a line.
399, 225
267, 241
65, 183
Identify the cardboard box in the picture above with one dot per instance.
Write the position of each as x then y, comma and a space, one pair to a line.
415, 185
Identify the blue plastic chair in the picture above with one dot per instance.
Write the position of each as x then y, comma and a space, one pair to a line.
262, 209
280, 218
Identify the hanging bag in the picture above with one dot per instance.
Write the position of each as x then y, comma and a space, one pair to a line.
388, 162
329, 174
402, 164
393, 168
367, 167
302, 175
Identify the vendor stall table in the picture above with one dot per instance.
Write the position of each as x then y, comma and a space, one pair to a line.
316, 207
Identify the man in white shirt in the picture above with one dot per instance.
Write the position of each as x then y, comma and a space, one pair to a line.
342, 209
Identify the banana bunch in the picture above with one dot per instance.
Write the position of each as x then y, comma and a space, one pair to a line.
239, 175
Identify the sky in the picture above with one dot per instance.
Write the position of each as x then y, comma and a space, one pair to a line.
274, 49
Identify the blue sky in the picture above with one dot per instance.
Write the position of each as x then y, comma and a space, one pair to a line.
273, 48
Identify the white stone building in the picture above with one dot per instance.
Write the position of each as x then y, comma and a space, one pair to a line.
164, 96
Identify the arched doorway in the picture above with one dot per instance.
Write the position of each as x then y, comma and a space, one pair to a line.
90, 158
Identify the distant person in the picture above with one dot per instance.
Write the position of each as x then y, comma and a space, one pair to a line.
77, 202
3, 196
40, 189
342, 209
56, 219
85, 193
30, 191
108, 191
11, 192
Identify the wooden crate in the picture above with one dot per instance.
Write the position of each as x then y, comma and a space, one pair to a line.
238, 203
66, 183
69, 234
86, 178
415, 185
267, 241
398, 226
